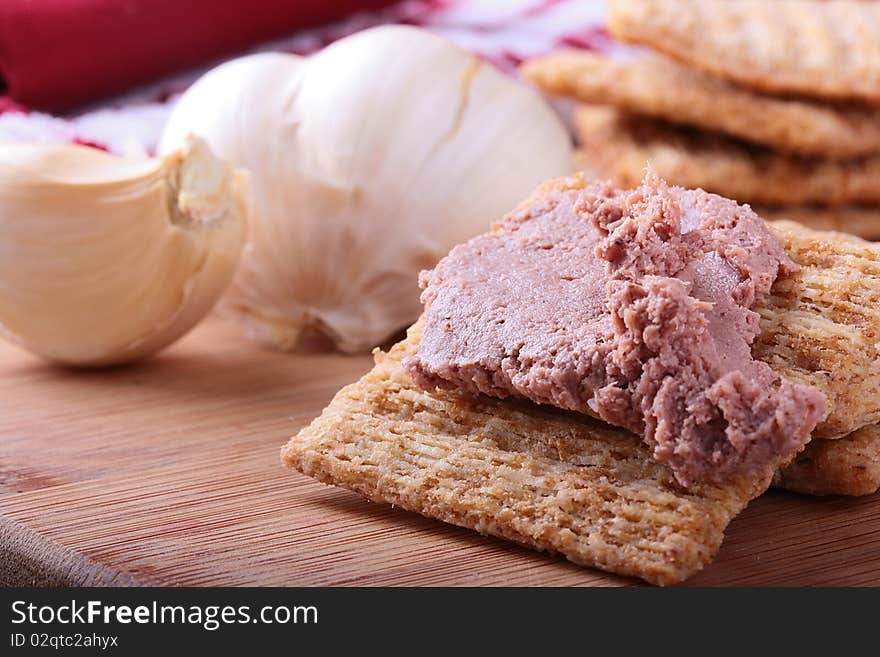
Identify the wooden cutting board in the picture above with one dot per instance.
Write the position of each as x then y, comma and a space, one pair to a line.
168, 473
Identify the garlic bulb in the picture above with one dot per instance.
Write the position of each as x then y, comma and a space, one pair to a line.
368, 162
104, 260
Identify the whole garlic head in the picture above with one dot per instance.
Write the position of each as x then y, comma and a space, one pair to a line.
104, 260
368, 162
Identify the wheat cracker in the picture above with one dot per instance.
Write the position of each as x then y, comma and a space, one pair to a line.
662, 88
618, 146
860, 220
849, 466
822, 48
548, 479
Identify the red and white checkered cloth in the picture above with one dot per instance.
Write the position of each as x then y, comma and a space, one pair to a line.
505, 32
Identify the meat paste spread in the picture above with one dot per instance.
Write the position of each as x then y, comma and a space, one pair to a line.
633, 307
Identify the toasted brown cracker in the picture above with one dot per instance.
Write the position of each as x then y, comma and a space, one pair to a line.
662, 88
825, 48
821, 325
548, 479
618, 146
849, 466
861, 220
565, 483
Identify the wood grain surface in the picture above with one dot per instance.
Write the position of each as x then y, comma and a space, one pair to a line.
167, 473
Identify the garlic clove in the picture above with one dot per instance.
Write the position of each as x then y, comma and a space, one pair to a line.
368, 161
105, 260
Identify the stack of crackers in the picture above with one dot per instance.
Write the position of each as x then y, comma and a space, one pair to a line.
775, 104
566, 483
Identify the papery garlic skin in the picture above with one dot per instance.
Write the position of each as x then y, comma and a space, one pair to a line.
368, 162
105, 260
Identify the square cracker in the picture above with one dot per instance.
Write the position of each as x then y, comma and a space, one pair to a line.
617, 145
823, 48
821, 325
848, 466
861, 220
548, 479
655, 86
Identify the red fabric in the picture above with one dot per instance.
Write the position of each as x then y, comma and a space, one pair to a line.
55, 54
